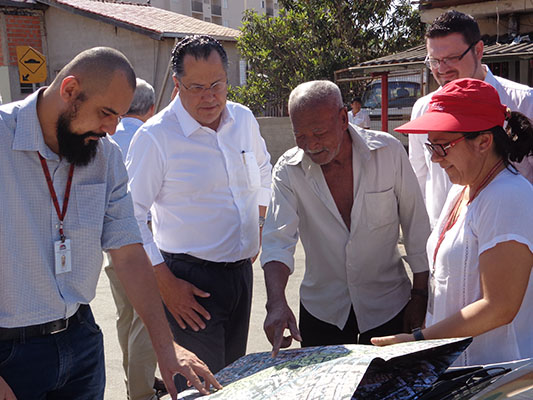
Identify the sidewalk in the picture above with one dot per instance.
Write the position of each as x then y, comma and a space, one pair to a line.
104, 310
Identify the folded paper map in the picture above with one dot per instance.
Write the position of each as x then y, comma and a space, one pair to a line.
340, 372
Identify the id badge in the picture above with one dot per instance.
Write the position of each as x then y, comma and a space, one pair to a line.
431, 297
63, 258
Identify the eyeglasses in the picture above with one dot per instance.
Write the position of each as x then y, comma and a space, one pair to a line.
197, 90
449, 61
440, 149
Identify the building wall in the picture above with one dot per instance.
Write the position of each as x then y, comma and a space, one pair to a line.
150, 58
231, 11
483, 9
18, 27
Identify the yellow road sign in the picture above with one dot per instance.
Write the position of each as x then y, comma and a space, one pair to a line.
32, 65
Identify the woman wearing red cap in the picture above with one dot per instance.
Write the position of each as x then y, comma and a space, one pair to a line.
481, 250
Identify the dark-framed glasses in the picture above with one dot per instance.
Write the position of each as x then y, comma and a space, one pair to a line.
449, 61
197, 90
440, 149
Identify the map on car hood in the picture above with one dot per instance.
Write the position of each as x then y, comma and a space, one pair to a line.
356, 372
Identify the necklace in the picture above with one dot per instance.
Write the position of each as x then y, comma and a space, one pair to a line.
454, 214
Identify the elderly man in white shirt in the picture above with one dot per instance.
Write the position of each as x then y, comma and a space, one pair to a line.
455, 50
202, 168
345, 192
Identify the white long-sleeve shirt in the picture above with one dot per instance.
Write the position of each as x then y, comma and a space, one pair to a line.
432, 179
204, 187
361, 266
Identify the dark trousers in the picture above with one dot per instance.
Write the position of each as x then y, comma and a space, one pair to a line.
225, 336
63, 366
316, 332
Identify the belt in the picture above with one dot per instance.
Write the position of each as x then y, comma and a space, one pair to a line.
48, 328
195, 260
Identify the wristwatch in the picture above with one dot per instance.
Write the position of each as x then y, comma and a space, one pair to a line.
417, 334
261, 221
419, 292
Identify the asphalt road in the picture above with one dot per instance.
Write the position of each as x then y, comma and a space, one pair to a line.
104, 310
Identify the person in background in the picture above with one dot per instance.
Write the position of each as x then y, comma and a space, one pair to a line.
454, 50
138, 357
202, 167
481, 250
345, 192
64, 189
357, 115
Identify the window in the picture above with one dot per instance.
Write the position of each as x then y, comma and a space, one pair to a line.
29, 87
207, 19
401, 94
262, 4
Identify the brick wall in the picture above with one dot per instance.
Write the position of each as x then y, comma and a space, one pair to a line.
22, 30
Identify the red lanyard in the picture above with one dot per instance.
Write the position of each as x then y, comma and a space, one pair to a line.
60, 214
454, 214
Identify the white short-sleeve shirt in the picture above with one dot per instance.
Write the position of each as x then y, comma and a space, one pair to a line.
500, 213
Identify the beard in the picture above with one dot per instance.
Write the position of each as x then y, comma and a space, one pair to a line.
74, 147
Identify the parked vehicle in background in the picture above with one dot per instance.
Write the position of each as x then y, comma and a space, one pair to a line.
403, 93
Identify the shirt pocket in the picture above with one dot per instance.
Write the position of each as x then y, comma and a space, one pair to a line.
90, 201
253, 175
381, 208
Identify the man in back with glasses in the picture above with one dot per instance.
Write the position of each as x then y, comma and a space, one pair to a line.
454, 51
202, 167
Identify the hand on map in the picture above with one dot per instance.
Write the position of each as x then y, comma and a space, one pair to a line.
191, 367
5, 391
179, 297
280, 317
386, 340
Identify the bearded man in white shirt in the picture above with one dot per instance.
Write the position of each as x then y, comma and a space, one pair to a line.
455, 50
203, 169
345, 192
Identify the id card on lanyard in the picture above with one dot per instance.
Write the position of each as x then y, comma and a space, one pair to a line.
62, 249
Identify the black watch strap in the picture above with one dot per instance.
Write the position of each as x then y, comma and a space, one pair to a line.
417, 334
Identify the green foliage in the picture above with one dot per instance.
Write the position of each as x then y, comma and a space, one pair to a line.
313, 38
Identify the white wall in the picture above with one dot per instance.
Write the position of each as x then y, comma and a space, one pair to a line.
69, 34
5, 89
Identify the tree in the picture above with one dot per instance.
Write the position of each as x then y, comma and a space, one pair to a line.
313, 38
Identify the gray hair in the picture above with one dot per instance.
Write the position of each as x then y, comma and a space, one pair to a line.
143, 98
314, 93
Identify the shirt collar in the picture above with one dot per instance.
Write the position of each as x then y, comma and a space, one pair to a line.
489, 77
189, 125
131, 122
28, 133
363, 142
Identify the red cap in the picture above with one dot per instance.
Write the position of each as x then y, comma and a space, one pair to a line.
463, 105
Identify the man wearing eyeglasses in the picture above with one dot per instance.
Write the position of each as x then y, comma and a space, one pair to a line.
454, 51
203, 169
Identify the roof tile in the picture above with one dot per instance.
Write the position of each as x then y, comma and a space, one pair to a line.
163, 22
